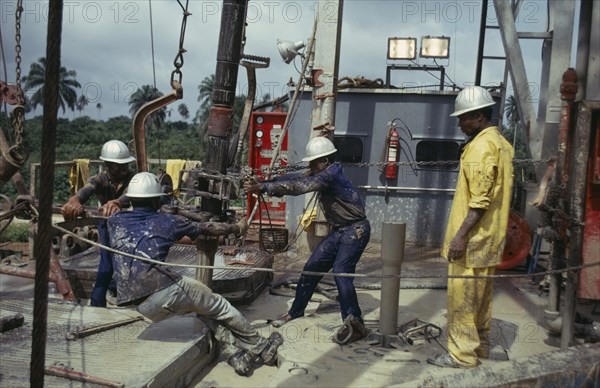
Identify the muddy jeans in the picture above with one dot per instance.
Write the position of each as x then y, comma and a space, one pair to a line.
230, 327
339, 252
104, 276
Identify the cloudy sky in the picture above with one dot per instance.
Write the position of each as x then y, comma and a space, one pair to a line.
108, 43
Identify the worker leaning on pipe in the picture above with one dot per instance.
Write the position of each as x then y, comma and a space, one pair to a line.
109, 186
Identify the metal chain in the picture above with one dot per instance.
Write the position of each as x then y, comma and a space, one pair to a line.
178, 61
441, 163
19, 110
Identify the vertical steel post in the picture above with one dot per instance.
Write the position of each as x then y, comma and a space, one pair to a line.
576, 209
481, 45
392, 254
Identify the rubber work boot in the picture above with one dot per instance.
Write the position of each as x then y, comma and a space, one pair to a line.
241, 362
351, 331
269, 354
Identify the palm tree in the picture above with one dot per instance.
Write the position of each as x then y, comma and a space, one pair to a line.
82, 102
511, 110
35, 79
183, 111
99, 107
205, 90
143, 95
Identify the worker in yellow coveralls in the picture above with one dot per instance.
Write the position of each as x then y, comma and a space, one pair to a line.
476, 231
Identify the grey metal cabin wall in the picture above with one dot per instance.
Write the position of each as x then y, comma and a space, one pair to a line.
365, 114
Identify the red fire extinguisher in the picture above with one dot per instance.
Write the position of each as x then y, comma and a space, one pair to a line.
391, 168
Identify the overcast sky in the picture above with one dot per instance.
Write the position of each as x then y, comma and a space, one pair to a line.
108, 43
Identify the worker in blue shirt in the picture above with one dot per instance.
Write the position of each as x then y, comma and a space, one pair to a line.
159, 293
109, 187
341, 249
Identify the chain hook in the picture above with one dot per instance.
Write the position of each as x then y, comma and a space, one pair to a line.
178, 61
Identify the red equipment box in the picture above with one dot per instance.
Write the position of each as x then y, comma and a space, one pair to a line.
265, 130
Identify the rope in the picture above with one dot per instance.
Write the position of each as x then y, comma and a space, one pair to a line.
42, 243
325, 274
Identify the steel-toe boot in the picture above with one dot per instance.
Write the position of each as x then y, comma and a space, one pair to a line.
269, 354
242, 362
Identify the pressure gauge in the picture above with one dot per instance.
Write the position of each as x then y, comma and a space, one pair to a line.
259, 134
259, 120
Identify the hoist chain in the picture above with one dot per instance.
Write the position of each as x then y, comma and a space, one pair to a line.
19, 110
178, 62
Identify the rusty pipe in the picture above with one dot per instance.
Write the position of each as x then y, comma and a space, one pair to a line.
78, 334
139, 121
70, 374
56, 275
63, 286
568, 90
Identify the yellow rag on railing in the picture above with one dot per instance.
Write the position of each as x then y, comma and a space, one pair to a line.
173, 167
79, 174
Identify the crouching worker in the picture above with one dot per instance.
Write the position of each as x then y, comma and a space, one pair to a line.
159, 293
342, 248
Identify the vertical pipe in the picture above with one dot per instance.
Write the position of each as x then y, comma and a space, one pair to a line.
583, 46
220, 119
42, 243
561, 177
576, 209
482, 27
392, 255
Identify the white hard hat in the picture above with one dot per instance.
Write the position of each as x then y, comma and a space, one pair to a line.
144, 185
318, 147
470, 99
116, 151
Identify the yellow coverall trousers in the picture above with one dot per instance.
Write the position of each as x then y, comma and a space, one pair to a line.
469, 314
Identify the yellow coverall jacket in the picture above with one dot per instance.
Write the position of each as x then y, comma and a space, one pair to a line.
485, 182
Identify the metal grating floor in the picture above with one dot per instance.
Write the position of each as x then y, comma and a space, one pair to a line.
127, 354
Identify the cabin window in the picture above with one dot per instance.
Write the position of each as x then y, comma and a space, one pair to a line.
438, 151
349, 149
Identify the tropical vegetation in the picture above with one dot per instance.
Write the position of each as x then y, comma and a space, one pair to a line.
35, 80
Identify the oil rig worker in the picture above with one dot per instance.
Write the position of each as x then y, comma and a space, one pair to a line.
159, 293
109, 187
341, 249
476, 231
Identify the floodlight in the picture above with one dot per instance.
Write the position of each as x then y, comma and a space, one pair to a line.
435, 47
402, 48
288, 50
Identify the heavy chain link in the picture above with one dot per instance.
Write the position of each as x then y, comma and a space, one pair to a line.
19, 110
178, 61
434, 164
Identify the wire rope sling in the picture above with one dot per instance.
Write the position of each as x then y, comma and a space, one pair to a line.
12, 158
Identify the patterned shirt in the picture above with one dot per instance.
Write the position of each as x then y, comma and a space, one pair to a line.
105, 189
147, 233
340, 201
485, 182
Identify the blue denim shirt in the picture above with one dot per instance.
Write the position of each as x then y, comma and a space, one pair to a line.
341, 203
144, 232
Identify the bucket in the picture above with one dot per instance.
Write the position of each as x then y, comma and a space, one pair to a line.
273, 239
